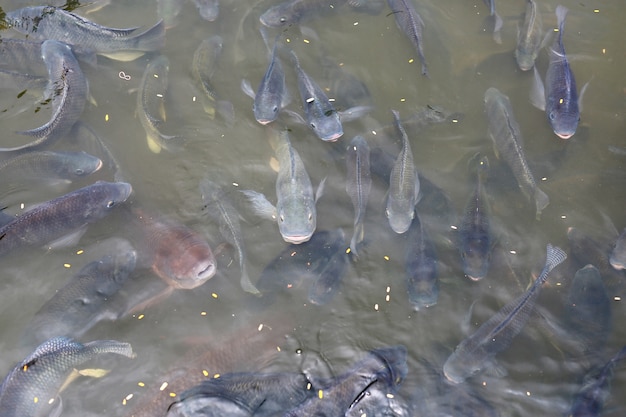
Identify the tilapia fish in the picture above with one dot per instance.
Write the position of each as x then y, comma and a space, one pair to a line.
495, 335
51, 222
411, 24
32, 387
358, 185
508, 145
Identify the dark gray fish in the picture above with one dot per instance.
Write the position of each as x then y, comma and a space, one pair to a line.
21, 82
404, 185
588, 310
559, 98
244, 394
208, 9
308, 262
590, 398
47, 166
203, 67
151, 103
336, 397
220, 209
529, 37
319, 112
292, 12
358, 185
330, 274
508, 145
55, 221
48, 22
348, 90
618, 254
272, 95
32, 387
83, 301
67, 90
495, 335
24, 55
595, 251
421, 267
295, 202
474, 231
411, 24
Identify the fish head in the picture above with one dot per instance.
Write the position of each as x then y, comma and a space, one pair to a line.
424, 294
279, 16
79, 164
475, 259
296, 220
563, 116
400, 215
105, 196
27, 19
587, 287
328, 128
266, 108
525, 60
186, 262
458, 367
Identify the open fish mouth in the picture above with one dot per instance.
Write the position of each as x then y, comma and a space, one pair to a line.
297, 239
564, 135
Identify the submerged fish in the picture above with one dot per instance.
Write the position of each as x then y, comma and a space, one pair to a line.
151, 102
337, 396
559, 97
67, 90
291, 12
411, 24
295, 203
203, 67
590, 398
495, 335
404, 185
219, 207
208, 9
494, 20
48, 22
83, 301
474, 231
244, 394
272, 95
508, 145
32, 387
358, 185
319, 112
421, 267
64, 219
529, 37
618, 254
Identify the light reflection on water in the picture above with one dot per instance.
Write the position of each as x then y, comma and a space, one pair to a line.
585, 183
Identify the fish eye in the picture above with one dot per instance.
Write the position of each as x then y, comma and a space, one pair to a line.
79, 171
281, 218
552, 116
110, 204
313, 125
275, 109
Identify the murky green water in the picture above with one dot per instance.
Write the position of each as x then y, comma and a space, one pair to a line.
583, 178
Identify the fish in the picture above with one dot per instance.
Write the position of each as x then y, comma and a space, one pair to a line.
67, 90
618, 254
494, 20
272, 95
91, 141
474, 231
151, 101
596, 251
508, 145
404, 185
590, 398
348, 90
32, 387
181, 257
48, 166
291, 12
208, 9
24, 55
49, 22
588, 310
420, 262
358, 185
529, 37
319, 263
495, 335
295, 203
411, 25
335, 397
84, 300
244, 394
319, 112
221, 210
203, 67
64, 219
558, 97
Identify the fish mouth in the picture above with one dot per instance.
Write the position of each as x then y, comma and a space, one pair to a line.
564, 135
333, 137
297, 239
264, 121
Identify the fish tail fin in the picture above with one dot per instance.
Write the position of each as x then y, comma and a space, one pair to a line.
561, 14
357, 237
395, 360
110, 346
554, 257
246, 284
152, 39
541, 201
